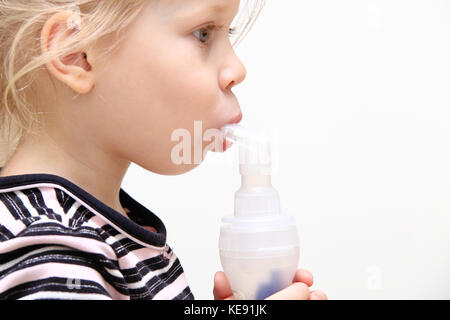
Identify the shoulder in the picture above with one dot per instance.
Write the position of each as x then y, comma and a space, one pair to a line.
50, 247
48, 216
42, 208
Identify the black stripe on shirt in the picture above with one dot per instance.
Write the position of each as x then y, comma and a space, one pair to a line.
142, 268
35, 197
12, 255
56, 229
108, 231
61, 196
5, 234
186, 294
82, 215
154, 263
14, 205
65, 254
54, 284
125, 246
157, 283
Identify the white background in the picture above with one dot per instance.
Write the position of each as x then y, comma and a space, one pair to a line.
357, 94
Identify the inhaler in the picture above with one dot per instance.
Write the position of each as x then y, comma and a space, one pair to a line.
259, 245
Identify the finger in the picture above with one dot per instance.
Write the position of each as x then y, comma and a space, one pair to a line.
222, 289
296, 291
304, 276
318, 295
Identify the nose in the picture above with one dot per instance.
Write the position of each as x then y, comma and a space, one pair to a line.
232, 73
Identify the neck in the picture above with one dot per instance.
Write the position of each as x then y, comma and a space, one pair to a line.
89, 167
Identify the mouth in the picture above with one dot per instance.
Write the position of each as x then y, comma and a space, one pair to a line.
226, 144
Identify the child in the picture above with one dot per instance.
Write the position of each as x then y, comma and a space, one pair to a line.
88, 87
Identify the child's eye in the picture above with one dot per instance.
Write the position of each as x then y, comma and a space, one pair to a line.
205, 34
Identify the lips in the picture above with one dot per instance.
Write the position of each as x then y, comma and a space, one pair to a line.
225, 143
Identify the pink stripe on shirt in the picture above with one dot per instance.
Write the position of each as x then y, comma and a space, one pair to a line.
48, 270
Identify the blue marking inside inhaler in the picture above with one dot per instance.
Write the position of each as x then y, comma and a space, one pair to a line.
269, 288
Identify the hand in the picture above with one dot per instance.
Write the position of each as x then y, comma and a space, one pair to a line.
298, 290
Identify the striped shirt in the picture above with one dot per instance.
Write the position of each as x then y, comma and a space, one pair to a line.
59, 242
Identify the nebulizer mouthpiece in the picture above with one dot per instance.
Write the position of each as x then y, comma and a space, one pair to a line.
259, 246
254, 151
256, 195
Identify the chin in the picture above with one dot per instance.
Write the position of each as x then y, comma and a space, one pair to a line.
174, 170
169, 168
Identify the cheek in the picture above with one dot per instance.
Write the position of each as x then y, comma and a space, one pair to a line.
179, 88
149, 96
183, 89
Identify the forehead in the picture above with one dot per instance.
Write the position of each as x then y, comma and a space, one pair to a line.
182, 8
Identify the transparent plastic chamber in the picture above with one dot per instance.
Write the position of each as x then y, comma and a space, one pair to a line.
259, 245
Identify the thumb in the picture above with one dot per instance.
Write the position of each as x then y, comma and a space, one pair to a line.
222, 289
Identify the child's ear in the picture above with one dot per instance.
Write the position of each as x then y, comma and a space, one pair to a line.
73, 69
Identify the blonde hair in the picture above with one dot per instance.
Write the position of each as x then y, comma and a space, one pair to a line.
21, 22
